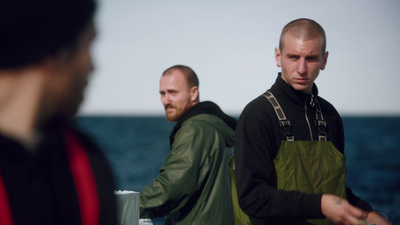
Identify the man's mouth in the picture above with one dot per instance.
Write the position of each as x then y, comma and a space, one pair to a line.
301, 80
169, 108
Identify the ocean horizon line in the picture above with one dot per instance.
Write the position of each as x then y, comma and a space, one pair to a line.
236, 115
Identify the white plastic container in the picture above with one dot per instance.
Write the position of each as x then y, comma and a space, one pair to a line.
127, 207
145, 222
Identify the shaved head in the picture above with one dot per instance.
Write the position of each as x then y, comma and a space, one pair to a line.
304, 29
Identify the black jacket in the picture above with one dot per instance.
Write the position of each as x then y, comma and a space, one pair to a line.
40, 187
257, 142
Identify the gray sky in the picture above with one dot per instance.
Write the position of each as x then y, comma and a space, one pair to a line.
230, 45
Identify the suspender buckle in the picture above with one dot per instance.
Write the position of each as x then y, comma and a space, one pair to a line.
321, 125
287, 129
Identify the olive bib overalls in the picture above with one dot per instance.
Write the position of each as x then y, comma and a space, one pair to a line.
306, 166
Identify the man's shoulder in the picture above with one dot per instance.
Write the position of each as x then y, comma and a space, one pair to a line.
258, 106
327, 107
203, 119
205, 122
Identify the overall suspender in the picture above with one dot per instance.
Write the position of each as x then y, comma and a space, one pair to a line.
84, 180
320, 122
285, 123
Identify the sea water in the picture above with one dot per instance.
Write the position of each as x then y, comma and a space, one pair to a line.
138, 146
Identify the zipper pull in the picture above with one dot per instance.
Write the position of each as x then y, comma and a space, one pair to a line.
312, 103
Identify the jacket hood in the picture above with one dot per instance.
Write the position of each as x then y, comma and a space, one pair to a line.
206, 107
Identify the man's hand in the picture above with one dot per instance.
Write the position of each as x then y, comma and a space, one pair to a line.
376, 218
340, 211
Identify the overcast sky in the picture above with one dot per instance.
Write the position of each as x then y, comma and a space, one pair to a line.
230, 45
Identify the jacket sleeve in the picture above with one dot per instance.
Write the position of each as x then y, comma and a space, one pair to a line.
179, 178
256, 140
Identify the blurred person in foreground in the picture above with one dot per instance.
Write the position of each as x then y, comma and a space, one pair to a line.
49, 173
193, 186
289, 144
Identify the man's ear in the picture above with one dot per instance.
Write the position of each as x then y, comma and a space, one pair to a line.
278, 57
323, 65
194, 91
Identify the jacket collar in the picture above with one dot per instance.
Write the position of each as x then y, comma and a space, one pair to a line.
288, 94
206, 107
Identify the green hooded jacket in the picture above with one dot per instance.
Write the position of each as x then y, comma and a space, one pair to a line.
193, 186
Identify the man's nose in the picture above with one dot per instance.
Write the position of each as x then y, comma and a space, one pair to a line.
165, 99
91, 64
302, 66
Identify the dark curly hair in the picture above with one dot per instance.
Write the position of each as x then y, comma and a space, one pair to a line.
33, 30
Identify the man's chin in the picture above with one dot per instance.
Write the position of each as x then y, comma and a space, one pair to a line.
171, 117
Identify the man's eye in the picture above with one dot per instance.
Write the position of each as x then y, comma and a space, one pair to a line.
313, 59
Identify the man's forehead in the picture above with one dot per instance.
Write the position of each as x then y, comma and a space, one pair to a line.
302, 35
294, 42
173, 81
